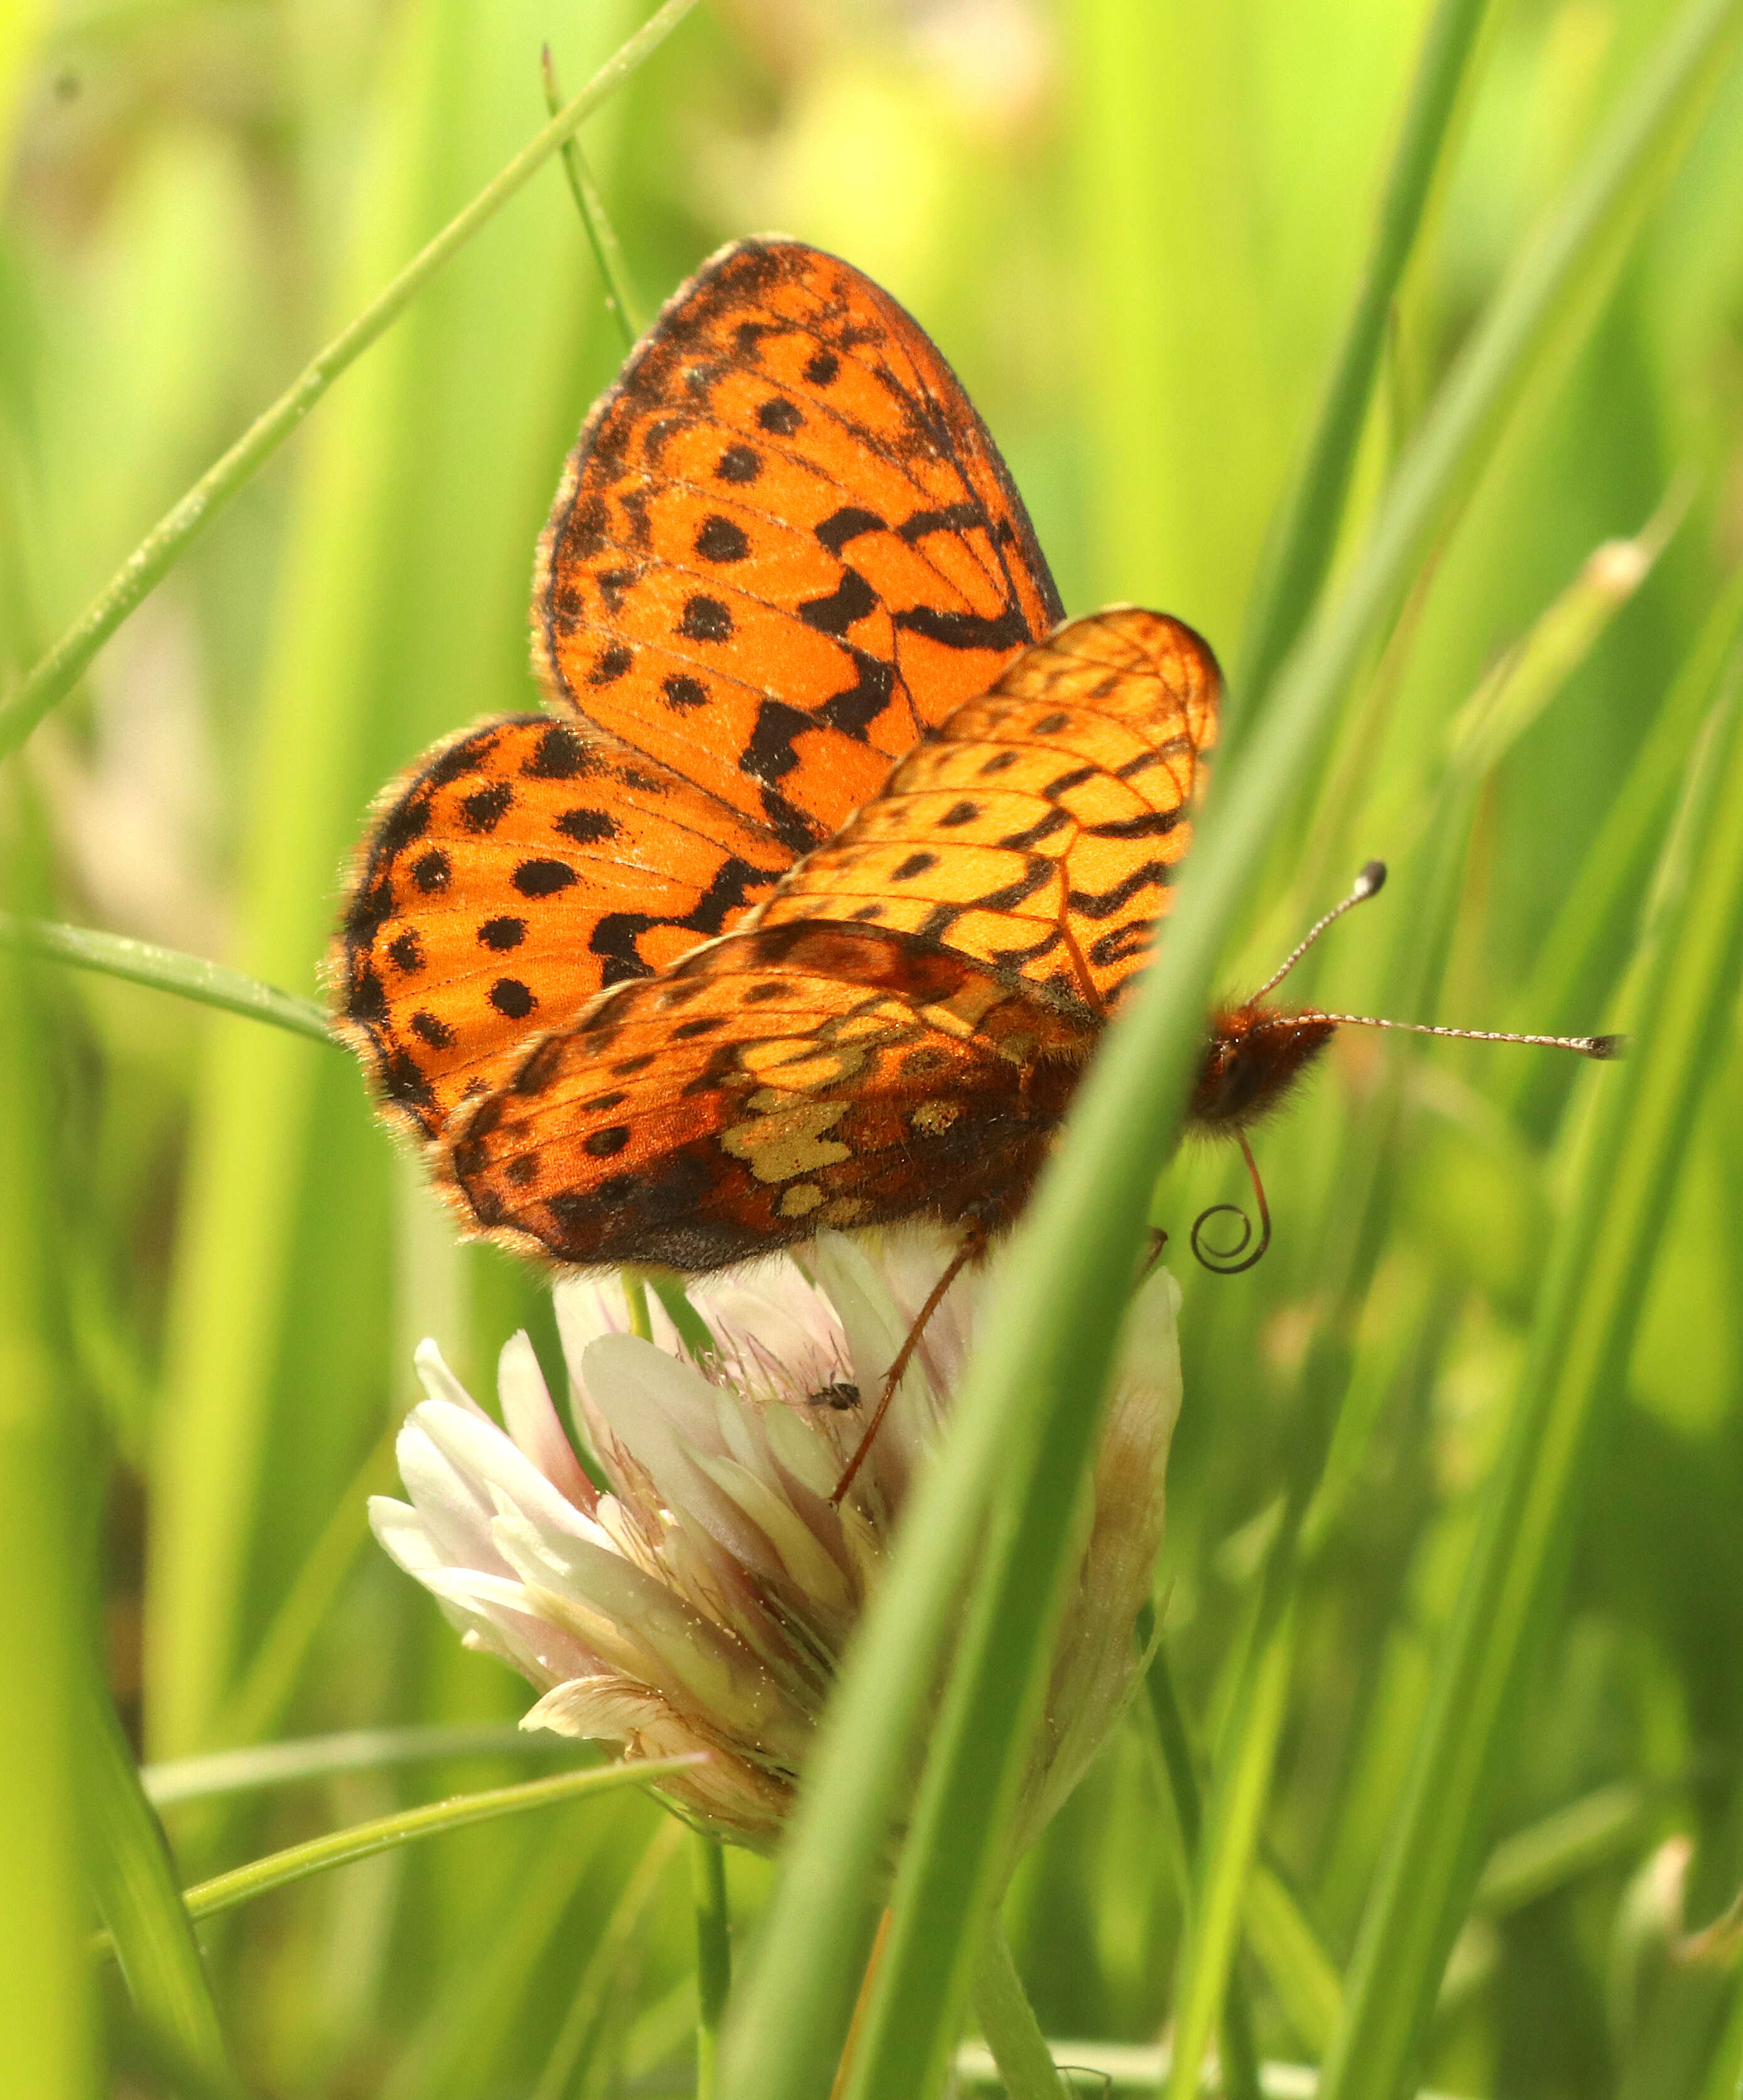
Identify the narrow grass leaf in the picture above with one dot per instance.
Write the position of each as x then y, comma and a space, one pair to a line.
578, 2037
1595, 1279
1306, 533
601, 236
47, 2040
293, 1764
1019, 2048
52, 678
149, 1929
713, 1956
362, 1840
165, 969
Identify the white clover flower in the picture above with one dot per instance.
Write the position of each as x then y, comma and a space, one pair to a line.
703, 1600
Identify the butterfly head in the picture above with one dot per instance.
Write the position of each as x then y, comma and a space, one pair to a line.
1256, 1053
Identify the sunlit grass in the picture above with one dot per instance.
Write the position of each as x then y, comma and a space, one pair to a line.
1453, 1572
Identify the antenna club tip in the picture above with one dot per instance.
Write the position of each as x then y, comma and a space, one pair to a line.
1372, 879
1606, 1047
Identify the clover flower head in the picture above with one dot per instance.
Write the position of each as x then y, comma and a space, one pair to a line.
701, 1598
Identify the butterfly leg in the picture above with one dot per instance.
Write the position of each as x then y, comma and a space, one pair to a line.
973, 1243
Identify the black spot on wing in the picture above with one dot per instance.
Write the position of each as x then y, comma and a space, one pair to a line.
738, 464
586, 827
543, 878
781, 417
719, 540
952, 517
1150, 824
611, 665
560, 755
680, 692
511, 999
482, 810
705, 620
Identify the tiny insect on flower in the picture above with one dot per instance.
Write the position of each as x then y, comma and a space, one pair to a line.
702, 1598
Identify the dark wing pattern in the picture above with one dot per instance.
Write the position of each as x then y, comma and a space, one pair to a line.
784, 545
772, 1082
1037, 831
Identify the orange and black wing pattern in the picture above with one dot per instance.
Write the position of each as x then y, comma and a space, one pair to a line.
1038, 830
895, 1034
784, 546
775, 1082
521, 867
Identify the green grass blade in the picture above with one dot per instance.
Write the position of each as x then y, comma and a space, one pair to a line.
1605, 892
1231, 1837
1032, 1393
148, 1927
362, 1840
1307, 530
165, 969
292, 1763
713, 1956
1590, 1300
1506, 702
620, 303
578, 2034
1604, 1825
1008, 2020
52, 678
47, 2049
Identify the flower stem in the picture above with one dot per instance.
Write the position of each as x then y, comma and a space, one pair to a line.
713, 1956
635, 1292
168, 540
1008, 2020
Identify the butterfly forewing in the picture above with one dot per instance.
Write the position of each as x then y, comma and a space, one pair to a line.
786, 543
522, 867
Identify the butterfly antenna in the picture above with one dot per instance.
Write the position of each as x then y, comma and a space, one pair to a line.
1603, 1047
1368, 883
1233, 1261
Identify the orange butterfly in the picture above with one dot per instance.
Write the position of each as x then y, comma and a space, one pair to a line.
806, 903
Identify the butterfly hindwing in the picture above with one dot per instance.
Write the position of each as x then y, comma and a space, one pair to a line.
772, 1082
1038, 829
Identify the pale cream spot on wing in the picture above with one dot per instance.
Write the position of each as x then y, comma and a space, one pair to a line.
801, 1200
789, 1142
797, 1062
843, 1211
935, 1118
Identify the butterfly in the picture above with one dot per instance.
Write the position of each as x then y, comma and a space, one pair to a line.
804, 900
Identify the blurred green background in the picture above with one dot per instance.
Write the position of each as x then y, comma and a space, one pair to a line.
1136, 231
